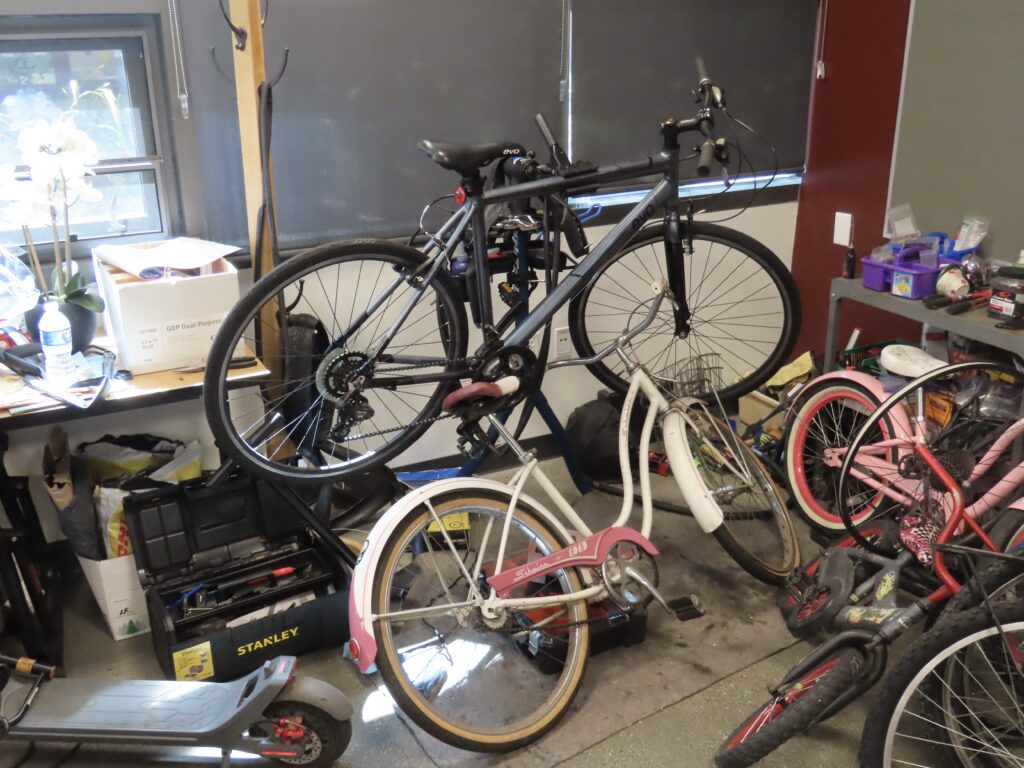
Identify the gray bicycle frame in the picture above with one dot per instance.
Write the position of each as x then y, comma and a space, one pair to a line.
443, 243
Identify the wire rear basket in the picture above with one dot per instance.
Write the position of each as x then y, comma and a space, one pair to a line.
697, 376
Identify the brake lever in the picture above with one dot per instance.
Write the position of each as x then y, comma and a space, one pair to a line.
722, 151
717, 97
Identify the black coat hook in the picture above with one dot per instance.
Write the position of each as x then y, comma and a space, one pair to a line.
240, 34
280, 72
216, 65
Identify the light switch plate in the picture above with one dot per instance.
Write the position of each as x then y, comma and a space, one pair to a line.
842, 233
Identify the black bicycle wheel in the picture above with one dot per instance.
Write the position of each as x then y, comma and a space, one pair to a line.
338, 402
743, 301
955, 698
756, 530
797, 703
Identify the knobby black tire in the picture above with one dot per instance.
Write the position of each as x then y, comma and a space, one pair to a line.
765, 258
797, 717
215, 390
945, 633
334, 735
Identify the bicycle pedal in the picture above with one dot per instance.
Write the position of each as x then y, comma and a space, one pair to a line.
687, 607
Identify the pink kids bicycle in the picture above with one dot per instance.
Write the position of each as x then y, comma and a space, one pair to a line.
940, 459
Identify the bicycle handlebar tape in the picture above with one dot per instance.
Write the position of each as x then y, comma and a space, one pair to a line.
707, 154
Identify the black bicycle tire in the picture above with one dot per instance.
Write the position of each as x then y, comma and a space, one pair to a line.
797, 717
741, 555
214, 380
395, 686
335, 735
745, 560
743, 243
929, 645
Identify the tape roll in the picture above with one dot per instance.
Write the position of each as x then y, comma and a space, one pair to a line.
952, 284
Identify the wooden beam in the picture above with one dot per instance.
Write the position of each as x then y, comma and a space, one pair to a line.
250, 71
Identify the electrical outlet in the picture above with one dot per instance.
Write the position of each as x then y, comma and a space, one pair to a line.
563, 344
842, 232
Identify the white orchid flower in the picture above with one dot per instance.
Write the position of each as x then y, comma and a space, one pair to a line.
57, 151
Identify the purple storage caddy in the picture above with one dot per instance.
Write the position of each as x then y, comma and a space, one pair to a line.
905, 277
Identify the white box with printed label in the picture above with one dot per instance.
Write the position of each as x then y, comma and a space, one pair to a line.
115, 585
160, 325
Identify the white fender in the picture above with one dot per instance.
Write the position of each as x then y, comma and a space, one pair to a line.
362, 646
705, 511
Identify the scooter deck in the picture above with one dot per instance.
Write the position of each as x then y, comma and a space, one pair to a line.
154, 711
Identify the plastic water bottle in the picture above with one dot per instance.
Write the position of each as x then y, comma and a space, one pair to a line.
55, 338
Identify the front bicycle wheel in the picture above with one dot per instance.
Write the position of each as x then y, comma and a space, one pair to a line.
956, 697
795, 705
743, 302
339, 400
723, 473
484, 681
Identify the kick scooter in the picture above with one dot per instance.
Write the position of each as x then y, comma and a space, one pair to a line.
269, 712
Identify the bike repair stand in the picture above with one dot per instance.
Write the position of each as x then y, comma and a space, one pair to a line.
536, 400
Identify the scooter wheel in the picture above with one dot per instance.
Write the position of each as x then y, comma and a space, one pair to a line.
326, 738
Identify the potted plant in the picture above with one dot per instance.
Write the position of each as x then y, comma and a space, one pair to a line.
58, 156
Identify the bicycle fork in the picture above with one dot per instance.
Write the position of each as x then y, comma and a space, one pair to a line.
674, 269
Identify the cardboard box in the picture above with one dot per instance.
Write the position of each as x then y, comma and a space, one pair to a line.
160, 325
755, 406
115, 585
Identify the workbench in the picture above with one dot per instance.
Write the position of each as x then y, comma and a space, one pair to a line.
972, 324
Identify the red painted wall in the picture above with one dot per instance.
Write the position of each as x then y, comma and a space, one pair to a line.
849, 148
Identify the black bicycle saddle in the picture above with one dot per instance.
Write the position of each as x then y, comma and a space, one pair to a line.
465, 159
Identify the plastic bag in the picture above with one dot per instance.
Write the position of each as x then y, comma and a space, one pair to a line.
186, 465
18, 290
112, 457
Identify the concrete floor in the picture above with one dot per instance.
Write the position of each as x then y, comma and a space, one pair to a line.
669, 701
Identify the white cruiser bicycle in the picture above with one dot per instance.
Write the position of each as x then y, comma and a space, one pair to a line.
472, 597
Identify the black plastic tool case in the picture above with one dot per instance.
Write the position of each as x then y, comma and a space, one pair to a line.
190, 534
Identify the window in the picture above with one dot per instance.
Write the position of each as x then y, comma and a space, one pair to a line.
760, 53
100, 85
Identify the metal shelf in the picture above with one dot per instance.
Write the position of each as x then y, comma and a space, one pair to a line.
974, 324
